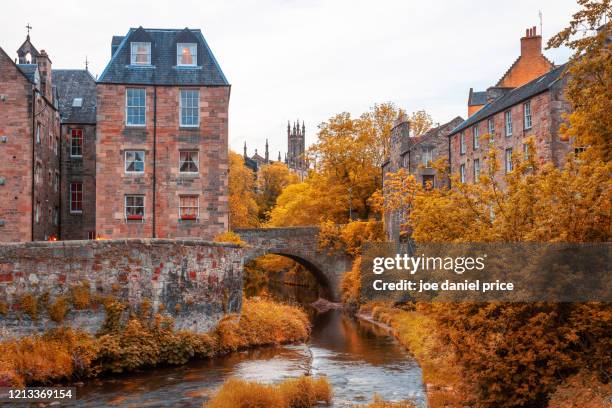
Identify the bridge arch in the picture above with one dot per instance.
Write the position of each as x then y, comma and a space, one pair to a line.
301, 245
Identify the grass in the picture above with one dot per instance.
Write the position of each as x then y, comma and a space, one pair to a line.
301, 392
144, 340
380, 403
418, 334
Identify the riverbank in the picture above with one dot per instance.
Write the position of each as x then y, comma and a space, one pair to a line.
417, 332
143, 340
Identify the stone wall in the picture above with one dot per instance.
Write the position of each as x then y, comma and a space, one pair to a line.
194, 281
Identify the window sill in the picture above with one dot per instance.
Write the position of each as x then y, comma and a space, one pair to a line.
189, 127
76, 157
140, 66
135, 173
76, 212
135, 126
187, 67
189, 175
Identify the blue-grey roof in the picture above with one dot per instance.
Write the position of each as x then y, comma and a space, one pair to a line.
71, 84
163, 69
29, 70
513, 97
477, 98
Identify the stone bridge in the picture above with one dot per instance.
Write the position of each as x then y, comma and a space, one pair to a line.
301, 245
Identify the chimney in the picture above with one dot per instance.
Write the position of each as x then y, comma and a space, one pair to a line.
531, 44
44, 66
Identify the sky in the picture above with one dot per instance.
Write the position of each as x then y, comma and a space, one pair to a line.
309, 60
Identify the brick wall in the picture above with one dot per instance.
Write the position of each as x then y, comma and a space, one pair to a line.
76, 225
210, 184
196, 281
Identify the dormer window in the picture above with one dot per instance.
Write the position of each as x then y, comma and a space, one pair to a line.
186, 54
141, 53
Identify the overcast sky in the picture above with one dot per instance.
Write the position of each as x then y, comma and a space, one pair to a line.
309, 59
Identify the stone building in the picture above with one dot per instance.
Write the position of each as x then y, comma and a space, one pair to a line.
29, 147
530, 64
77, 104
507, 122
162, 128
416, 154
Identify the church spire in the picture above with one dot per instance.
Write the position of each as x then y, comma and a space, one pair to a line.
245, 150
267, 153
279, 156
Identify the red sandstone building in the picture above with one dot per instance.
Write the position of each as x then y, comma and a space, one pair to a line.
29, 147
527, 102
162, 129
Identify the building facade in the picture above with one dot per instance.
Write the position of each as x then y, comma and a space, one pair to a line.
29, 147
162, 129
416, 154
76, 90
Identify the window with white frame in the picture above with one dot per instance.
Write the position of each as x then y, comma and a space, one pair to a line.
186, 54
76, 142
427, 156
190, 107
508, 160
406, 160
38, 176
525, 151
189, 207
462, 143
55, 216
135, 106
56, 146
475, 137
476, 170
491, 129
134, 161
188, 161
462, 173
38, 133
141, 53
76, 197
56, 181
134, 207
508, 122
527, 114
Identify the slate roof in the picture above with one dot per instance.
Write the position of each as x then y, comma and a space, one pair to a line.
75, 83
433, 132
477, 98
163, 69
28, 70
513, 97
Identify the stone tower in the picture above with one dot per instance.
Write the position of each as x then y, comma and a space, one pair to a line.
296, 146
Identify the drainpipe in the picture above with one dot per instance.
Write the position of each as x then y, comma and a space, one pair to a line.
450, 167
154, 156
59, 183
33, 159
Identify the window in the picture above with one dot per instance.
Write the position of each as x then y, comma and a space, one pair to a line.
91, 235
134, 161
77, 102
527, 115
55, 216
38, 173
186, 54
462, 173
188, 207
508, 160
406, 160
134, 207
76, 143
462, 143
37, 212
525, 151
38, 133
427, 156
475, 141
476, 170
491, 129
141, 53
56, 182
56, 146
190, 107
188, 161
135, 106
428, 181
508, 122
76, 198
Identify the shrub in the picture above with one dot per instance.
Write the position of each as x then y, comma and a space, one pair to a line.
350, 286
29, 305
262, 322
58, 309
3, 308
79, 296
302, 392
230, 237
380, 403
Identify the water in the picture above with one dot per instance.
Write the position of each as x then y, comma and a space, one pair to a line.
358, 358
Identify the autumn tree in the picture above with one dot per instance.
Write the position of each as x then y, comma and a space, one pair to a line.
271, 181
420, 122
243, 209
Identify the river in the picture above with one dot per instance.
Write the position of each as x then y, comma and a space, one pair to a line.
358, 358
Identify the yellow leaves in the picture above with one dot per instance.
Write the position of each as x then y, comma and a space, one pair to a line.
243, 208
272, 179
231, 237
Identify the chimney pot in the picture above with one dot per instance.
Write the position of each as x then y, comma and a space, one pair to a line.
527, 32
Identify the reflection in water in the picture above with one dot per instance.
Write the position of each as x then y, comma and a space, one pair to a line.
358, 358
